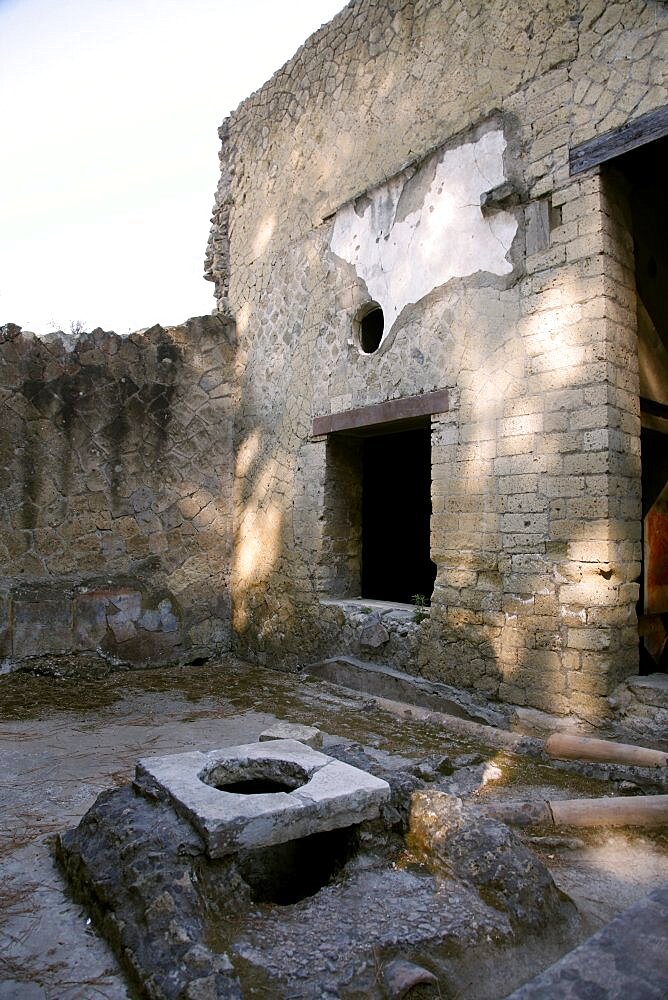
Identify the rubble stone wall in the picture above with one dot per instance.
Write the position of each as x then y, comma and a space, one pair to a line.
116, 468
535, 467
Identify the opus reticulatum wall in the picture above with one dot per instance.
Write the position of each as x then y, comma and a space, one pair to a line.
115, 459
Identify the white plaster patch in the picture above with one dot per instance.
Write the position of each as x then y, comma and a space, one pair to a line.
403, 260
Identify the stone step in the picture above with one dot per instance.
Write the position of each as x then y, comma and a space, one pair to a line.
650, 690
385, 682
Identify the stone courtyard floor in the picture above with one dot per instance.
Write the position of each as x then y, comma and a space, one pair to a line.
65, 739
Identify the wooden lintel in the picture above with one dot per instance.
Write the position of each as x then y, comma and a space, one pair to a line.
638, 132
394, 411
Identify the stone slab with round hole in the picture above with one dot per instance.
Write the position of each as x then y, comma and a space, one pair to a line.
240, 798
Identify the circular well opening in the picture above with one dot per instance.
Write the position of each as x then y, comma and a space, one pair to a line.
369, 326
256, 777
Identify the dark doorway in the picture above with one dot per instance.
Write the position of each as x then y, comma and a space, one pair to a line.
653, 603
643, 178
396, 512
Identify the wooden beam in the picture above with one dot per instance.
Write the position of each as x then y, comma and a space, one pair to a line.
638, 132
394, 411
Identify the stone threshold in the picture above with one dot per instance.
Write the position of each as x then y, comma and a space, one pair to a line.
650, 688
379, 680
367, 605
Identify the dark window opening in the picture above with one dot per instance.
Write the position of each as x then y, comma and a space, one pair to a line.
396, 514
371, 326
376, 542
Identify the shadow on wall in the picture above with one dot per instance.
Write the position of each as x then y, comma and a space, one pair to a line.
467, 649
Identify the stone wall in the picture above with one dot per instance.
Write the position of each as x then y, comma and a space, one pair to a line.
535, 467
116, 466
386, 81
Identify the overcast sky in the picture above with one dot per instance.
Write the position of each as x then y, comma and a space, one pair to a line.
109, 112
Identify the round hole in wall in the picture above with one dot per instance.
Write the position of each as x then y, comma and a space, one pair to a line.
369, 325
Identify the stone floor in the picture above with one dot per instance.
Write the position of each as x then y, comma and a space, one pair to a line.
63, 740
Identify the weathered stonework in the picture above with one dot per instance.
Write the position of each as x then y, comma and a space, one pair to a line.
169, 493
372, 128
308, 918
116, 492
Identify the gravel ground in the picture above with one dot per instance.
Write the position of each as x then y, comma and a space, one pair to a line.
64, 739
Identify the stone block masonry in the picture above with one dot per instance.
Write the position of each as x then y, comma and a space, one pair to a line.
116, 468
396, 219
400, 133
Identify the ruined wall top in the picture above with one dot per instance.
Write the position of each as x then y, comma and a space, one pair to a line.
116, 476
